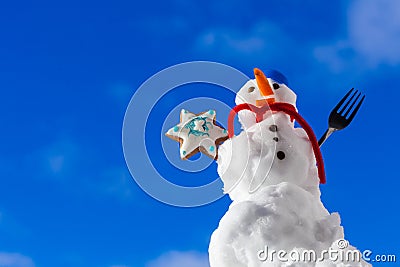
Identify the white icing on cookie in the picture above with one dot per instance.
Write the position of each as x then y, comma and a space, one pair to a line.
197, 132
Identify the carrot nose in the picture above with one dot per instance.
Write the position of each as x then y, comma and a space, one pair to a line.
263, 85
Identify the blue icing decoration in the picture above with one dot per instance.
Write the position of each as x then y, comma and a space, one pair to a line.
176, 128
225, 131
212, 148
184, 152
211, 112
205, 126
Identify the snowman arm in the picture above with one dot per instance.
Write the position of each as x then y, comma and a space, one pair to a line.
259, 111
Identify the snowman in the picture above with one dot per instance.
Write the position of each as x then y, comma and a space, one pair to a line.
271, 149
271, 171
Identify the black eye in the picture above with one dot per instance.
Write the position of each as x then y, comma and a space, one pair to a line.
276, 86
251, 89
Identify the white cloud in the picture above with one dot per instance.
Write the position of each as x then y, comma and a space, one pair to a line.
15, 260
56, 163
58, 158
179, 259
374, 30
117, 182
169, 25
121, 93
373, 37
339, 56
251, 43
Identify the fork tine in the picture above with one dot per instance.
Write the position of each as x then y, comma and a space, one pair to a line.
342, 101
356, 109
342, 110
352, 104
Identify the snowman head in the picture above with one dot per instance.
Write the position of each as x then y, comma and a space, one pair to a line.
266, 88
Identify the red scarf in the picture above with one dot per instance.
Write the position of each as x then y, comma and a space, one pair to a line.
291, 111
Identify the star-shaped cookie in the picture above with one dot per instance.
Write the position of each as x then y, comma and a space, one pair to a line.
197, 132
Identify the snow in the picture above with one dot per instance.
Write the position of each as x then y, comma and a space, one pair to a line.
256, 165
269, 171
282, 216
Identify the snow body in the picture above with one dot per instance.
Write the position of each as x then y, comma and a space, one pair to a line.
250, 160
269, 171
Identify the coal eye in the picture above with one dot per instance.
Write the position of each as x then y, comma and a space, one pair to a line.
251, 89
276, 86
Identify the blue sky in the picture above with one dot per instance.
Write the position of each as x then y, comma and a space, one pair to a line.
67, 73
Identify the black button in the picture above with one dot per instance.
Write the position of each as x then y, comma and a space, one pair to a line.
273, 128
276, 86
281, 155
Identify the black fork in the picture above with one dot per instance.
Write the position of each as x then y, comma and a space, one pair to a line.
342, 114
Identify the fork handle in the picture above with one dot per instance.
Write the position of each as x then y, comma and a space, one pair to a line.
327, 133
